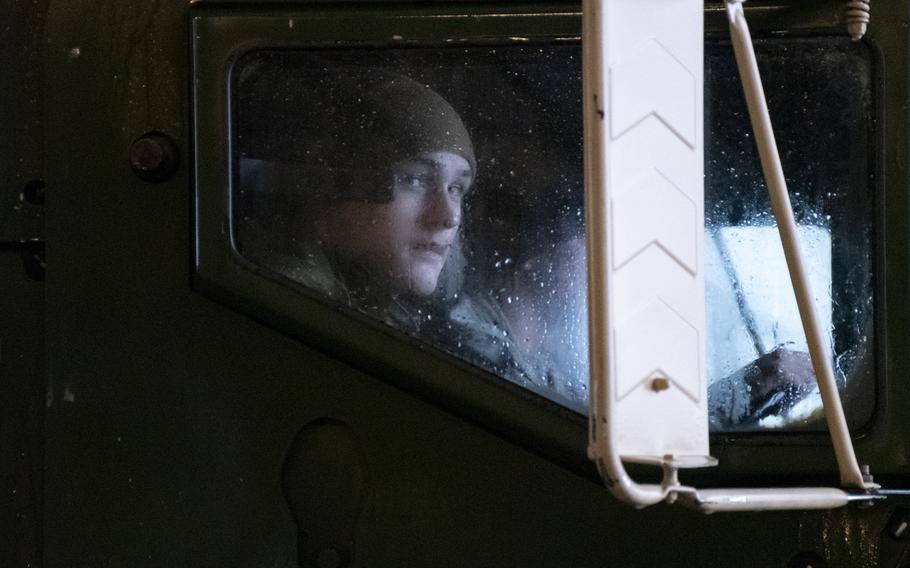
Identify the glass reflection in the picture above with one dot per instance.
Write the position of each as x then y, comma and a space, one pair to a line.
760, 364
435, 214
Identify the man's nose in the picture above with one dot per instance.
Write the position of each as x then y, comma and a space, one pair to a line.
444, 209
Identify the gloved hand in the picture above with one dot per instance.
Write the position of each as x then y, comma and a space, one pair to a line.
768, 386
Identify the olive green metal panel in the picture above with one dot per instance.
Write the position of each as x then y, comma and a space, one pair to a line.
21, 287
21, 406
21, 120
172, 415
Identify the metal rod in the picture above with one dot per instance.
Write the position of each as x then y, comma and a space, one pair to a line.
596, 210
780, 202
771, 499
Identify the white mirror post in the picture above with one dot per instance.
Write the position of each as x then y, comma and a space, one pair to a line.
643, 75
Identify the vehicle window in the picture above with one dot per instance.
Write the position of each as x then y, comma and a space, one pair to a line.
440, 191
819, 96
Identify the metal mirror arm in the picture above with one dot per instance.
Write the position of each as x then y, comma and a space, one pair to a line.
819, 350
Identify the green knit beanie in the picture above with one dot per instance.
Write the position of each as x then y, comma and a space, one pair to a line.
379, 122
337, 132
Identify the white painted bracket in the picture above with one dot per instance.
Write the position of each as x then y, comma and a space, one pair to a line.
645, 207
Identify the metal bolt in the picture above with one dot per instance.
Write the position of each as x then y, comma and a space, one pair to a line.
154, 157
898, 526
857, 18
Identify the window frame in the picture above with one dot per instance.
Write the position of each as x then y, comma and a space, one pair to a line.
220, 38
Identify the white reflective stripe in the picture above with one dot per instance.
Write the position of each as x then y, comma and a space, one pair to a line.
645, 207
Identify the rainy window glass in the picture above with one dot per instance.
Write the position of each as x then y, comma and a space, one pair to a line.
440, 191
819, 96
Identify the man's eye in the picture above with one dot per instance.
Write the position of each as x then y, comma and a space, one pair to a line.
457, 189
415, 181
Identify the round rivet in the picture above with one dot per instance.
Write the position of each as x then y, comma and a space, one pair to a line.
154, 157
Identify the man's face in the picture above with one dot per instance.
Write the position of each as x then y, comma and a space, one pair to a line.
405, 243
